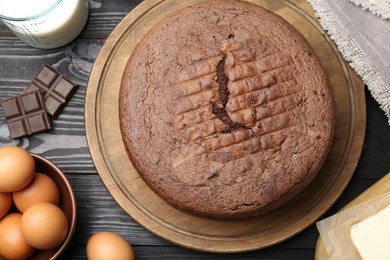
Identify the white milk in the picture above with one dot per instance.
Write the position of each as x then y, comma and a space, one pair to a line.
45, 24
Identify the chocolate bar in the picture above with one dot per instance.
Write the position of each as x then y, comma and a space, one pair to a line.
55, 87
25, 114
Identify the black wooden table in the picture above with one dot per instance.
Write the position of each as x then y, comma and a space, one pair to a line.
66, 145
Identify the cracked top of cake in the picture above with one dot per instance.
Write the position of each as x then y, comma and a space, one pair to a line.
225, 110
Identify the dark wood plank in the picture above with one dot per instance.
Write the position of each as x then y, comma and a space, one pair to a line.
375, 159
172, 253
66, 143
97, 211
105, 15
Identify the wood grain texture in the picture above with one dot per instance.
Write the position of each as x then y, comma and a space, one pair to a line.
66, 142
166, 252
67, 147
96, 206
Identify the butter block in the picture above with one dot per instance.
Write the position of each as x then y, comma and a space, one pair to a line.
371, 236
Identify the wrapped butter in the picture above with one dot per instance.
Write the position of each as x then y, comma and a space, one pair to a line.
371, 236
359, 232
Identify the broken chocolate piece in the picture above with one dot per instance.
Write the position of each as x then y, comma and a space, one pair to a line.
25, 114
55, 87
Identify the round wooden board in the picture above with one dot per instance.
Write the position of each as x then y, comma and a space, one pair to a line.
132, 194
379, 188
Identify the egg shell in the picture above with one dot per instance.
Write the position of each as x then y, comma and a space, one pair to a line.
17, 168
13, 245
5, 203
109, 246
41, 189
44, 225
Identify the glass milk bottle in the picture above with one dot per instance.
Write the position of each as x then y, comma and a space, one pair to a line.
45, 24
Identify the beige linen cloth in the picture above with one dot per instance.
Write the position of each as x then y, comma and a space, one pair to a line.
361, 31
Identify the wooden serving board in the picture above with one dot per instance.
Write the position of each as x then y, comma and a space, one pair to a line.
132, 194
379, 188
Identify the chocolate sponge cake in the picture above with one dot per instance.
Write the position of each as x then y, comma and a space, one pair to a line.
225, 110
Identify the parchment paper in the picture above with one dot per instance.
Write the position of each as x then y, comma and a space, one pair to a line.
335, 231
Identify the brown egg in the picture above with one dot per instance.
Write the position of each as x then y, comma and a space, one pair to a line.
5, 203
17, 168
12, 243
44, 225
109, 246
41, 189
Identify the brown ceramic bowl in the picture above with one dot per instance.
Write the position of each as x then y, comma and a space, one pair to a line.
67, 204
